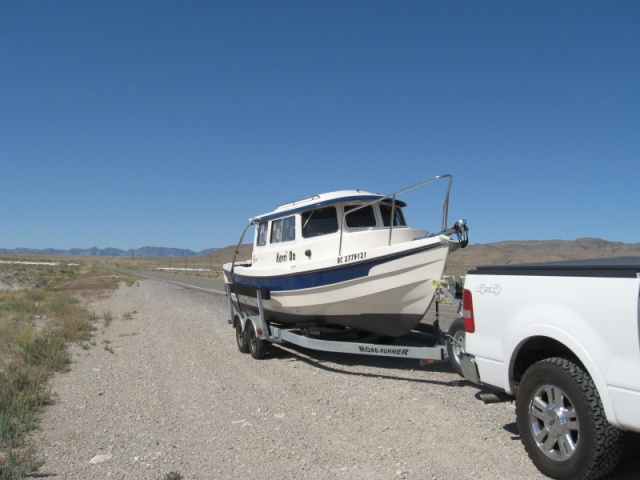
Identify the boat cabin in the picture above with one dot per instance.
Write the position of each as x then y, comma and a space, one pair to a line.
333, 225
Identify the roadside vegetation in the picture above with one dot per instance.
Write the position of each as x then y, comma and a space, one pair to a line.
208, 266
42, 309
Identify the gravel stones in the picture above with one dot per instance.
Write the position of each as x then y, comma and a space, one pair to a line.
164, 389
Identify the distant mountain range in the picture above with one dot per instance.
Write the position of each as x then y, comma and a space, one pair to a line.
510, 251
113, 252
531, 251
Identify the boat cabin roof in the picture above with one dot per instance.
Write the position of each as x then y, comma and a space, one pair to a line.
321, 200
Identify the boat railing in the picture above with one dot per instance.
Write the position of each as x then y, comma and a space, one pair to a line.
393, 196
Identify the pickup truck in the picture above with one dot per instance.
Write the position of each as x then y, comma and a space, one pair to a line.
562, 339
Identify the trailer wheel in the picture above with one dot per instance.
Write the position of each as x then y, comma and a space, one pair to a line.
257, 346
241, 339
456, 344
562, 422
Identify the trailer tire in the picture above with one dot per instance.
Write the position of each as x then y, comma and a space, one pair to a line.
257, 346
241, 338
562, 422
456, 344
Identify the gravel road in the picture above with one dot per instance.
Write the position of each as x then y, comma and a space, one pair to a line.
164, 389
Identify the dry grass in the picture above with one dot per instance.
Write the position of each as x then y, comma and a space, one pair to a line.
41, 313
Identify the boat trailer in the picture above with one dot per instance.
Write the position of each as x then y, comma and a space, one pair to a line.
254, 334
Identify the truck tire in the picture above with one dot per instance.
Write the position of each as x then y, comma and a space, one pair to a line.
456, 344
562, 422
257, 346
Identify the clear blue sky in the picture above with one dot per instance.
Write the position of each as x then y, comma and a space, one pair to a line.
169, 123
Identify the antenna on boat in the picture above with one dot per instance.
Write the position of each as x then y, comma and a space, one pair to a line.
233, 263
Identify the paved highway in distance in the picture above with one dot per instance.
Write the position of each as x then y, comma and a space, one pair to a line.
199, 283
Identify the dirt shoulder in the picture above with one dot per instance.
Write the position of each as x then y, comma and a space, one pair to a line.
165, 389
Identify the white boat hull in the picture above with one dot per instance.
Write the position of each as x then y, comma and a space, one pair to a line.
390, 299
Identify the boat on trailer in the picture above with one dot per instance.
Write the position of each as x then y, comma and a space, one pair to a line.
344, 259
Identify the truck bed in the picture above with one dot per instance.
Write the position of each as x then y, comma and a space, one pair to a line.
615, 267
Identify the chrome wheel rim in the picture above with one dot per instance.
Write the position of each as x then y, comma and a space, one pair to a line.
459, 344
240, 338
554, 423
253, 340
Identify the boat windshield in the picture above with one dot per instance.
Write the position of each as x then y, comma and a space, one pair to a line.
398, 217
319, 221
362, 217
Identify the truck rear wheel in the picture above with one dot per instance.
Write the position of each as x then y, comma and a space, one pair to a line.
562, 422
456, 344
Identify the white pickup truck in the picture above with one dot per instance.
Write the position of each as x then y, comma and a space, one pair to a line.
563, 340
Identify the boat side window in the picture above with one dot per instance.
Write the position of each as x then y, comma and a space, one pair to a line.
363, 217
398, 217
289, 229
261, 239
319, 221
283, 230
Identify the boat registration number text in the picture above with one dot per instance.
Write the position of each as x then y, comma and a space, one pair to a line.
352, 257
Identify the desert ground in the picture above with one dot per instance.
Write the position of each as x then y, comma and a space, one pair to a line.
163, 390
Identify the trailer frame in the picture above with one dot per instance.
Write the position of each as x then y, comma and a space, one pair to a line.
254, 333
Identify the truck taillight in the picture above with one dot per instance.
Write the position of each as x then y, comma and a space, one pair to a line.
467, 312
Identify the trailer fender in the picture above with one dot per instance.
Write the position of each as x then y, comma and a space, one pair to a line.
239, 319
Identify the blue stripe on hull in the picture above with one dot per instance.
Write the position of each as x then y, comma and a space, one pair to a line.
319, 278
